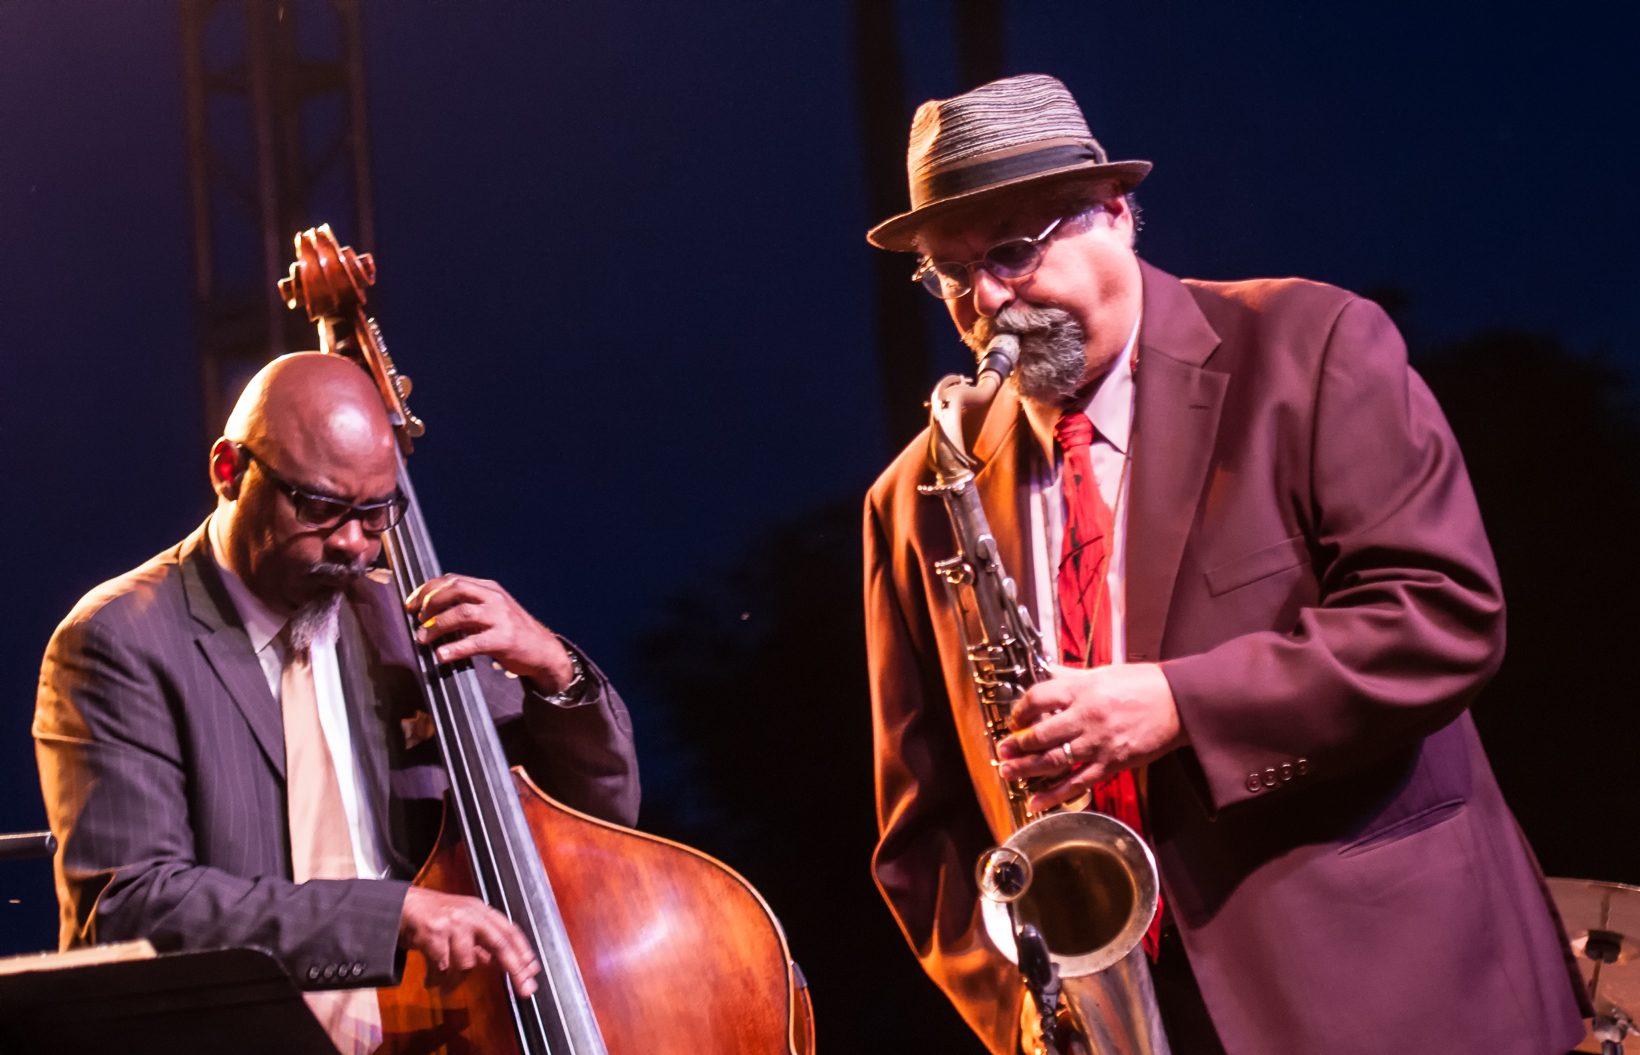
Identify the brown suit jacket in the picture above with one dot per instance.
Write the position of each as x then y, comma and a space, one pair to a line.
162, 761
1306, 560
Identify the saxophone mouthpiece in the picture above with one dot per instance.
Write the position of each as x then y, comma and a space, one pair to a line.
1000, 356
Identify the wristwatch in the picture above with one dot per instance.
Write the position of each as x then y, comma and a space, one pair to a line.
575, 692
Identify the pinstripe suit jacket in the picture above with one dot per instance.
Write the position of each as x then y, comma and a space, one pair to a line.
162, 758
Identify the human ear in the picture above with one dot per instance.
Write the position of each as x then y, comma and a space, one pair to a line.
1120, 216
227, 469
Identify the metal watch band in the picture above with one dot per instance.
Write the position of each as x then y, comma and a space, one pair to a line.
575, 692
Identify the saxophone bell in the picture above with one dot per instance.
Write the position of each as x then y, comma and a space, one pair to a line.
1086, 881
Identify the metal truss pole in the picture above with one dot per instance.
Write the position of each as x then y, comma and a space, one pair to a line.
904, 351
257, 159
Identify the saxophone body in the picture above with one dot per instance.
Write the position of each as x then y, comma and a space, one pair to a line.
1082, 884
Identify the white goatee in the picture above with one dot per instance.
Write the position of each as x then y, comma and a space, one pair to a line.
315, 621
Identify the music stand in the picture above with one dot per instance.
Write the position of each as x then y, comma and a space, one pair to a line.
188, 1003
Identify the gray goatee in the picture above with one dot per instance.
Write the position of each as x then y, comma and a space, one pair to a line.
316, 620
1053, 360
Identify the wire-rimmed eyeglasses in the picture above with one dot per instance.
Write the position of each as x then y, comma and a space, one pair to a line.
325, 513
1014, 258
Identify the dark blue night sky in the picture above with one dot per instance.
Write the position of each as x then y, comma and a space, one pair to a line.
621, 252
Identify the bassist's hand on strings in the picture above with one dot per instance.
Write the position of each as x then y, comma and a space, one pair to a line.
456, 934
475, 617
1114, 718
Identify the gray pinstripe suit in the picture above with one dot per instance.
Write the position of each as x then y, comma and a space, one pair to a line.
161, 754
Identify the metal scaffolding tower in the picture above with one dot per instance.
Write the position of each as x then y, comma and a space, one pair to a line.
904, 352
275, 98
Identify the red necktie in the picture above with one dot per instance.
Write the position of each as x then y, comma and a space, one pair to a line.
1084, 602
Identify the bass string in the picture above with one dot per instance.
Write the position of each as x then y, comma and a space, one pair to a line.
459, 700
483, 832
457, 737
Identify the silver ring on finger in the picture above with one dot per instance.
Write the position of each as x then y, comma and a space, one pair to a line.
1070, 757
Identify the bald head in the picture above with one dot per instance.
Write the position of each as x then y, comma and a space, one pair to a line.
312, 424
308, 408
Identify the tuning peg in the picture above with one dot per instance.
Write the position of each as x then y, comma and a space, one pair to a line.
401, 385
291, 288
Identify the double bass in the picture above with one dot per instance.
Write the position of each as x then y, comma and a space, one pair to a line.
645, 944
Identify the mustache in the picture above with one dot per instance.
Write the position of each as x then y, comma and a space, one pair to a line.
1021, 320
1052, 356
342, 571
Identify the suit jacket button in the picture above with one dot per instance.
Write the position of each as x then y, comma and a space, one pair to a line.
1270, 778
313, 974
1253, 783
330, 971
1286, 772
358, 969
1302, 766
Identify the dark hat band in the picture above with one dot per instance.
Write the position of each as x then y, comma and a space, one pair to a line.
951, 182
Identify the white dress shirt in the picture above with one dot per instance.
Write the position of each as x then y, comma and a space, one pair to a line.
264, 628
1110, 409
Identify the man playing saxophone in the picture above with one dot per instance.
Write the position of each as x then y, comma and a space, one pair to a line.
1245, 534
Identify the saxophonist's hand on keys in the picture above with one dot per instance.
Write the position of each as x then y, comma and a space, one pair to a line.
1114, 718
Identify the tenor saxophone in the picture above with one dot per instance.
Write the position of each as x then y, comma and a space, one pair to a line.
1069, 893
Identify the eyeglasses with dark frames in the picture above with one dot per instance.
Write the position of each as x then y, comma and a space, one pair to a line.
326, 513
1014, 258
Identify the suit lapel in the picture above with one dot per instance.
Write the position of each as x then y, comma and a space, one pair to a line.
1176, 419
228, 648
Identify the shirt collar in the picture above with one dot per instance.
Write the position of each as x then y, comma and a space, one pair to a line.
262, 624
1110, 408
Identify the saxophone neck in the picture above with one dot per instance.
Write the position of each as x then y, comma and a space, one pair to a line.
953, 397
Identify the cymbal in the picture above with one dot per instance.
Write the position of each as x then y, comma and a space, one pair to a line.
1609, 915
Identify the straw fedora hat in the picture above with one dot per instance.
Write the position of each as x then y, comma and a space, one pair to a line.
984, 143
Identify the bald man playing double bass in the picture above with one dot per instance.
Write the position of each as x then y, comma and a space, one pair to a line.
168, 720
